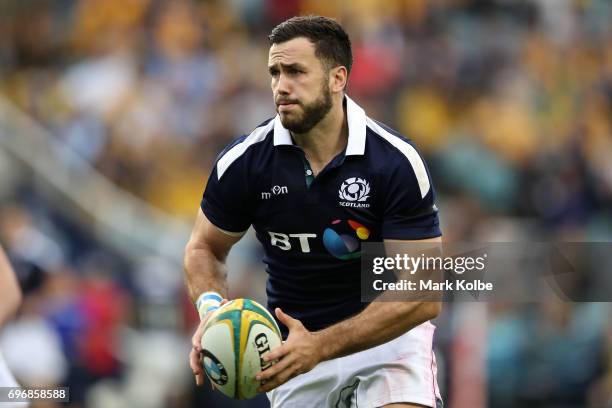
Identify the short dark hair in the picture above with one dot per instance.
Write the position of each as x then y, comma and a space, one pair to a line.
331, 42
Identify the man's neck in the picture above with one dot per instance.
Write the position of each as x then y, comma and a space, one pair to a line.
328, 138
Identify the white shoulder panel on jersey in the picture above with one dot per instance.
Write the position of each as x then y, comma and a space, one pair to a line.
258, 135
407, 150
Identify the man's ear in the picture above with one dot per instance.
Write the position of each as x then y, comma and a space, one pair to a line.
337, 78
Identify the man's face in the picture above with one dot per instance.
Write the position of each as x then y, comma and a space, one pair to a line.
300, 84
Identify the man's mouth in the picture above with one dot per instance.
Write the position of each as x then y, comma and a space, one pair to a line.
286, 105
286, 102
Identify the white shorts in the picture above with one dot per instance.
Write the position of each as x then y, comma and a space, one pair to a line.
402, 370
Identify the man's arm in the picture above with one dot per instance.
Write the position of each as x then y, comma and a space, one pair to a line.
205, 256
378, 323
10, 293
205, 271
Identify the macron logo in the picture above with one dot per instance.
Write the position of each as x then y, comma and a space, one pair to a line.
276, 190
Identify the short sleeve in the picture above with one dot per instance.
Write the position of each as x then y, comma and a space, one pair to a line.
226, 199
410, 212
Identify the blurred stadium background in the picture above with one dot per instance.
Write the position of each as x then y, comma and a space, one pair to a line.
112, 111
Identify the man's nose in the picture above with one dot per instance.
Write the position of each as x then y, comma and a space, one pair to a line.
283, 86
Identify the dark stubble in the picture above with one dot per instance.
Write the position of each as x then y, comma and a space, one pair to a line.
312, 113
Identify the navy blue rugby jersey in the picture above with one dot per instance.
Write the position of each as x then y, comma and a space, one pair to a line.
311, 227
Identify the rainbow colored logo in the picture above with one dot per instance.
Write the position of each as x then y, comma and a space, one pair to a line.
344, 244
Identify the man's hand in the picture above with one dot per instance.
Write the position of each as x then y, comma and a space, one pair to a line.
298, 355
195, 355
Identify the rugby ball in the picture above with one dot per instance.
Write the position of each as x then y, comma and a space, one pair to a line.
235, 338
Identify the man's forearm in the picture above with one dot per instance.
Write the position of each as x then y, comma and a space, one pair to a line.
204, 272
379, 323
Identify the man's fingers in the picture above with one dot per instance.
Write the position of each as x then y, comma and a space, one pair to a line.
270, 372
199, 378
197, 337
196, 342
280, 378
287, 320
194, 361
196, 366
276, 354
282, 316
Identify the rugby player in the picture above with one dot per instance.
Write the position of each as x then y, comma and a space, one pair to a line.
315, 181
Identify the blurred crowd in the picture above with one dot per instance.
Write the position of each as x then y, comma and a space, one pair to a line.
509, 101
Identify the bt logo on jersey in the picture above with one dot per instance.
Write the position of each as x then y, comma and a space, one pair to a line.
283, 241
342, 239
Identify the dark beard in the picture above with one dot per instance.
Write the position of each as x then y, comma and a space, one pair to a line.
312, 113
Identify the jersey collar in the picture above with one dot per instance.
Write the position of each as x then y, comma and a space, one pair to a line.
356, 123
